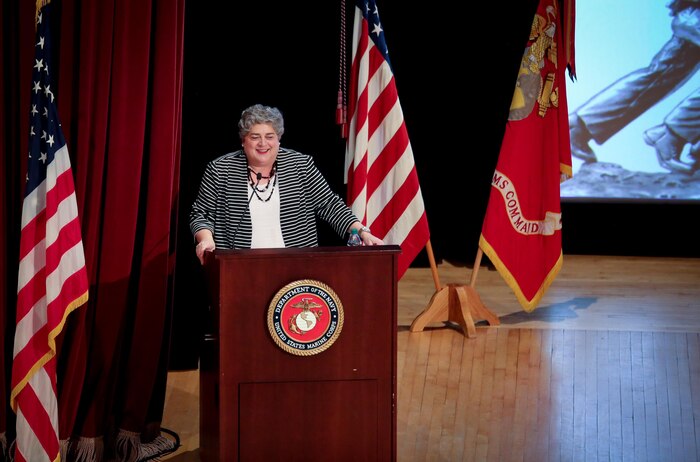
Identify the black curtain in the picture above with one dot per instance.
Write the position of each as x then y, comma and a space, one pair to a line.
455, 74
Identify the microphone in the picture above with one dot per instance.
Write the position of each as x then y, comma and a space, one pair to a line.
259, 175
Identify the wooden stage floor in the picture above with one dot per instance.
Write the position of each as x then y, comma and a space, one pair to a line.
607, 368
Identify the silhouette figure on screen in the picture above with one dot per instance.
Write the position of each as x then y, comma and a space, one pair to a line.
613, 108
681, 127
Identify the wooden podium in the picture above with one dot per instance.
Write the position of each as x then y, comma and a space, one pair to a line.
260, 402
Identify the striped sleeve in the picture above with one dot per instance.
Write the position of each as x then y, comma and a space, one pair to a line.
221, 203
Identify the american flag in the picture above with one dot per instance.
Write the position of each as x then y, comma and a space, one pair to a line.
52, 274
383, 189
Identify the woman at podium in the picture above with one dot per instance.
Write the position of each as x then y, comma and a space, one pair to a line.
266, 196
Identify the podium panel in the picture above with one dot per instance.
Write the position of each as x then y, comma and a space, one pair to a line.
260, 402
347, 428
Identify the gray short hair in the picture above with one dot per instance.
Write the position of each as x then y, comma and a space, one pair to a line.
259, 114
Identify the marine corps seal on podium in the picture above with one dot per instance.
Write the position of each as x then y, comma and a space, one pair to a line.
305, 317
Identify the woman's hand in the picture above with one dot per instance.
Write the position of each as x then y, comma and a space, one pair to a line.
205, 243
370, 239
366, 235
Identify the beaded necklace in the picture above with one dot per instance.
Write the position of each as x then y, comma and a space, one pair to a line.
254, 179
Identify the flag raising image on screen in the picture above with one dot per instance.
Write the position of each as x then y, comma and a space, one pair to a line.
52, 274
380, 172
521, 233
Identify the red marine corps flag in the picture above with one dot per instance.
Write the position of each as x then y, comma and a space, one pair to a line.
383, 189
52, 276
521, 233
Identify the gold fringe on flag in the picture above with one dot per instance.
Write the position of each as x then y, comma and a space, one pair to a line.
39, 5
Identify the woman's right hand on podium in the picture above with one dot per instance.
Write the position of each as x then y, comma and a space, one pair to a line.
205, 243
204, 246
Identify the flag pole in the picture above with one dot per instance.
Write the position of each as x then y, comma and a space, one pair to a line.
459, 303
433, 265
475, 269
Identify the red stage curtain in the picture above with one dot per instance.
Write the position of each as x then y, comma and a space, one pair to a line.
3, 248
119, 98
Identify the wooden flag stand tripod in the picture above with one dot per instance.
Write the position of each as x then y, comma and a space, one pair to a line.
459, 303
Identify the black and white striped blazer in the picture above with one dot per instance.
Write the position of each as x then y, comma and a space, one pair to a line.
222, 202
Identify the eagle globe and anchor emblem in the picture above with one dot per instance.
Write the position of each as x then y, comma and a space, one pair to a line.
305, 320
305, 317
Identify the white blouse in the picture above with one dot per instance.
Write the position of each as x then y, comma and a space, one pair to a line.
265, 217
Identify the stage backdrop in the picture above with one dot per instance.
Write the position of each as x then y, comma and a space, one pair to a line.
455, 86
